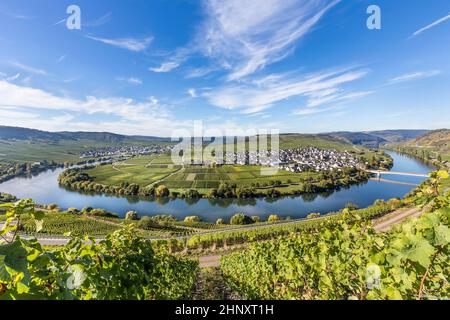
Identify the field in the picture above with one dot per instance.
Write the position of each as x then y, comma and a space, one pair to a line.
27, 151
148, 170
58, 151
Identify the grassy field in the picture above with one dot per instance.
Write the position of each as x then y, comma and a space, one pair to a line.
58, 151
27, 151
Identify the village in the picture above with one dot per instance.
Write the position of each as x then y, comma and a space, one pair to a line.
126, 151
292, 160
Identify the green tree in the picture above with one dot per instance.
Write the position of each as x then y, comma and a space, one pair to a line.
241, 219
162, 191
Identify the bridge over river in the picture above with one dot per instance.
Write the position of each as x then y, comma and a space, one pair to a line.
411, 174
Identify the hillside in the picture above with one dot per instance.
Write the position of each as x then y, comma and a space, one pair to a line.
436, 141
291, 141
398, 135
358, 138
373, 139
432, 146
17, 133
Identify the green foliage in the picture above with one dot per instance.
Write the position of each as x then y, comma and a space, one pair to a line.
256, 219
273, 218
147, 223
102, 213
86, 269
343, 258
192, 219
313, 216
333, 262
132, 215
240, 219
162, 191
52, 207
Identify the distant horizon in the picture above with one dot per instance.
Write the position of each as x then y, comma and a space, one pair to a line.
167, 137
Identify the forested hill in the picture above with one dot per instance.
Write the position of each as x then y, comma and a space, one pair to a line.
337, 140
17, 133
438, 141
374, 139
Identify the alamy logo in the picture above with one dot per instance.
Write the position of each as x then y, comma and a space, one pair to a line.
373, 277
73, 22
374, 20
213, 147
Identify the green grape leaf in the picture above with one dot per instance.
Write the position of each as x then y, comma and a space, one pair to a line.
77, 277
442, 234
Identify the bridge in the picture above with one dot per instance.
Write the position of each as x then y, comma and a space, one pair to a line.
380, 173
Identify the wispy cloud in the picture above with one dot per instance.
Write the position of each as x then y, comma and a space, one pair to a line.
131, 44
248, 35
130, 116
15, 15
27, 68
130, 80
414, 76
432, 25
319, 89
99, 21
14, 77
192, 93
165, 67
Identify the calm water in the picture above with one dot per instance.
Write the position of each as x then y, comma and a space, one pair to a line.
44, 189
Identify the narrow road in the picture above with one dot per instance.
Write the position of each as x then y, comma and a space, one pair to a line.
209, 261
386, 223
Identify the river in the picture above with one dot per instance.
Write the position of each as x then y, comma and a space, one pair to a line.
44, 189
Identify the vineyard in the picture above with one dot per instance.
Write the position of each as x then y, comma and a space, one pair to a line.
333, 263
263, 233
85, 269
346, 259
335, 257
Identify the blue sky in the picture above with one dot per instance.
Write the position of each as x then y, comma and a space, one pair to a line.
151, 67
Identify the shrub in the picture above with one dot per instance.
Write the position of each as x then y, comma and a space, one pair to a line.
52, 207
256, 219
73, 211
87, 209
220, 222
132, 215
351, 206
192, 219
273, 218
240, 219
147, 223
192, 194
313, 216
162, 191
102, 213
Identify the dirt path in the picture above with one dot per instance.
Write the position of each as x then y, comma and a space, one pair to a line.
168, 176
386, 223
209, 261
